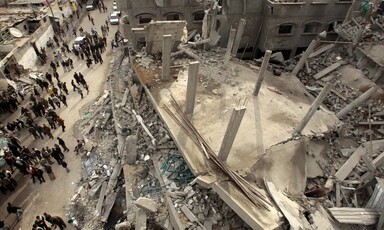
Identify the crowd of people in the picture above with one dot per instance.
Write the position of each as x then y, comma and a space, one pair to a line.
40, 220
39, 115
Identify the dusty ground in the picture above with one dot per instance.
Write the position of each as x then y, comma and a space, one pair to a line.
53, 196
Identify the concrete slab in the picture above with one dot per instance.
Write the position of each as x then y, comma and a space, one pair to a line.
374, 52
289, 174
212, 112
146, 204
356, 79
280, 106
256, 218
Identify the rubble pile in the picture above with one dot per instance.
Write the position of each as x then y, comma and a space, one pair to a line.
341, 94
202, 207
355, 148
125, 112
361, 29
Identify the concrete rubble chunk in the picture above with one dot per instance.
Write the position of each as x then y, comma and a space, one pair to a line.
188, 213
141, 220
146, 204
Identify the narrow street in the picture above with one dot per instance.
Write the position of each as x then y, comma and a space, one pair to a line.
53, 196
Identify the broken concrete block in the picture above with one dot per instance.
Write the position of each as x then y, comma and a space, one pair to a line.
188, 213
190, 194
208, 225
131, 149
146, 204
123, 226
141, 220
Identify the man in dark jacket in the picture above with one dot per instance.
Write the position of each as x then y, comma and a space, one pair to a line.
11, 209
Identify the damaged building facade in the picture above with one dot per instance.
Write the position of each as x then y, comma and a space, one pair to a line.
286, 26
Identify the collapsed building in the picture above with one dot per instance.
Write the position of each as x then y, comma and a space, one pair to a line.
208, 141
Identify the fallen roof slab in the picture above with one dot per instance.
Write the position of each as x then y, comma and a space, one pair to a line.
280, 106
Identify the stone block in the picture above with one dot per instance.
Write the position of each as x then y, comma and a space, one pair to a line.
146, 204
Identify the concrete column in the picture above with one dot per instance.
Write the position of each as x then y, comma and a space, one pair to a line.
193, 70
232, 34
304, 57
358, 101
231, 132
239, 35
166, 56
315, 105
264, 66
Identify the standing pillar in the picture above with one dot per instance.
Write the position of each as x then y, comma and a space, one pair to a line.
239, 35
166, 56
304, 57
231, 132
232, 34
315, 105
264, 66
193, 70
358, 101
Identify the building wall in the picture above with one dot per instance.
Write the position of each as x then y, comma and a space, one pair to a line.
298, 15
136, 8
26, 55
231, 14
263, 20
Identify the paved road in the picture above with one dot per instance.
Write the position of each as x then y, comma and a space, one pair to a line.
53, 196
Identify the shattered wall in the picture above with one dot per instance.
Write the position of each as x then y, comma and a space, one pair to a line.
25, 54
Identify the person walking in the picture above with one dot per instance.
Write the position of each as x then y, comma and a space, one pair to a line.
47, 156
50, 101
63, 99
65, 165
74, 86
40, 222
55, 221
56, 101
80, 92
89, 62
62, 144
33, 131
40, 130
40, 175
56, 155
86, 87
60, 122
35, 172
49, 171
3, 226
47, 131
11, 209
65, 89
93, 23
58, 149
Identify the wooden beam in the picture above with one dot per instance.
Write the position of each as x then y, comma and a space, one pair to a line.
372, 123
350, 164
327, 70
101, 199
321, 50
